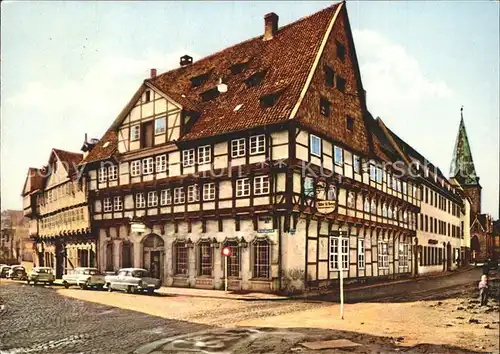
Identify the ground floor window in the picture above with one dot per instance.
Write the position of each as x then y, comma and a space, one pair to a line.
344, 252
127, 255
261, 259
233, 261
431, 256
83, 258
383, 255
109, 256
361, 253
181, 258
404, 254
205, 259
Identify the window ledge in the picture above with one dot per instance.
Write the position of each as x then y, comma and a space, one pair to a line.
261, 279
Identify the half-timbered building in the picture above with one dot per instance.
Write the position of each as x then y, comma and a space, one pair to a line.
266, 147
55, 201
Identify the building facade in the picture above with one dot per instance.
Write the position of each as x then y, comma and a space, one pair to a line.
15, 244
266, 147
55, 200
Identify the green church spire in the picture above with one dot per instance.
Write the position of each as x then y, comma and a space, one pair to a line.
462, 165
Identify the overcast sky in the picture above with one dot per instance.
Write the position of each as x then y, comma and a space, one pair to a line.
70, 67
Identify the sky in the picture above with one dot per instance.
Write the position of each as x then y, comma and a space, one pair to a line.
69, 67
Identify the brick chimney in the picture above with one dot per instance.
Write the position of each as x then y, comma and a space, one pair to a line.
153, 73
270, 25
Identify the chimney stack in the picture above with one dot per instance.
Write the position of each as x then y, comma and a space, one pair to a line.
270, 25
153, 73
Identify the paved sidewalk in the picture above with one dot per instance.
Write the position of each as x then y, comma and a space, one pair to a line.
220, 294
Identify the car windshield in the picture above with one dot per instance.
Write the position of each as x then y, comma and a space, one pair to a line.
91, 272
139, 273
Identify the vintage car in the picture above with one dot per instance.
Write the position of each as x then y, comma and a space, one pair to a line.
84, 278
41, 275
4, 270
132, 280
17, 272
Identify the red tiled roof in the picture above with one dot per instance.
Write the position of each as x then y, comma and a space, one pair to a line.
35, 178
286, 59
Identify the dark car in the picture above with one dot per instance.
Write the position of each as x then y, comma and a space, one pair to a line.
493, 263
17, 272
4, 270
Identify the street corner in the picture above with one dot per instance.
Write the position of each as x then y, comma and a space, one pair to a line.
223, 340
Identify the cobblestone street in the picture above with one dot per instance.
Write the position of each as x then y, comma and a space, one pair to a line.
38, 320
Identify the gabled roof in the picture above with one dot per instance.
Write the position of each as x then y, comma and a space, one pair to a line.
462, 165
286, 60
35, 180
69, 159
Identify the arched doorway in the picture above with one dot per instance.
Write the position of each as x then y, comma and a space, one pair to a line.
475, 248
127, 254
153, 255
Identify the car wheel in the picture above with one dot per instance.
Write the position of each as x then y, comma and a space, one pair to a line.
66, 285
35, 282
109, 287
50, 283
151, 291
99, 287
130, 289
28, 281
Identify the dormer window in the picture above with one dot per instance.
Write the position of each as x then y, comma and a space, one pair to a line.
209, 95
329, 76
324, 106
199, 80
269, 100
255, 79
238, 68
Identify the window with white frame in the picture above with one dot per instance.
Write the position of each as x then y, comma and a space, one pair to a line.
257, 144
205, 258
204, 154
209, 191
383, 255
379, 172
147, 166
193, 193
160, 125
338, 155
361, 253
165, 197
188, 158
404, 188
113, 173
373, 173
315, 145
404, 251
261, 259
179, 197
242, 187
135, 133
367, 205
103, 174
135, 168
356, 161
238, 148
107, 204
389, 212
152, 199
140, 201
261, 185
373, 206
118, 204
334, 252
384, 210
161, 163
394, 183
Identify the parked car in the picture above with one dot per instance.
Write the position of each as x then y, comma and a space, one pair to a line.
85, 278
41, 275
17, 272
132, 280
4, 270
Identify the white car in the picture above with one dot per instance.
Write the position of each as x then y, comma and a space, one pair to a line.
84, 278
132, 280
41, 275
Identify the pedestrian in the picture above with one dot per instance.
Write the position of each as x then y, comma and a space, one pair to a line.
483, 290
486, 268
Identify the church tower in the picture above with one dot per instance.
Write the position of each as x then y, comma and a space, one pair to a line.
462, 168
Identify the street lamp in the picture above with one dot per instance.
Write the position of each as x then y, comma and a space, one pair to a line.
226, 252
